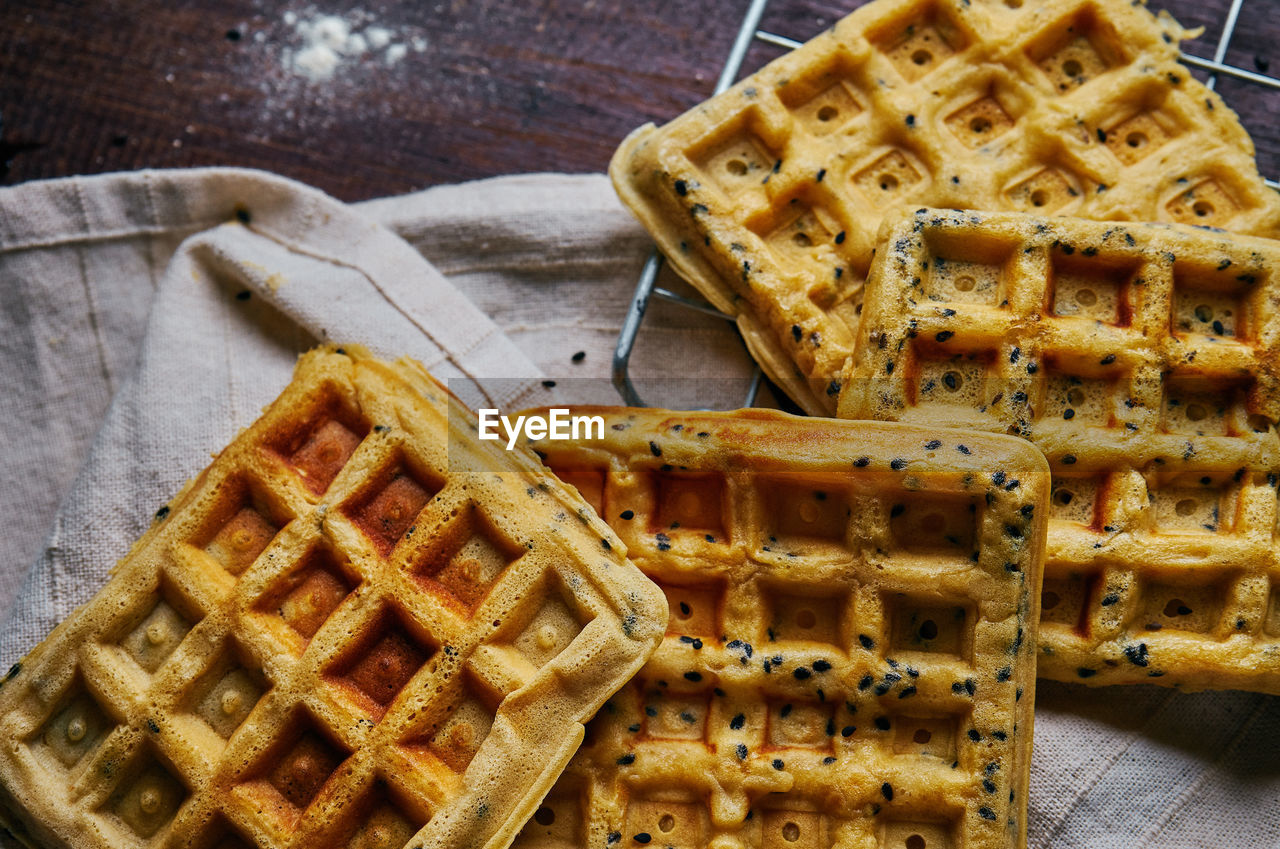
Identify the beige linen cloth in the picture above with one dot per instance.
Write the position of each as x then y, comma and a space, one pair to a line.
145, 318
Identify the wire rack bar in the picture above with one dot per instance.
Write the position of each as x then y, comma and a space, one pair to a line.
649, 274
750, 31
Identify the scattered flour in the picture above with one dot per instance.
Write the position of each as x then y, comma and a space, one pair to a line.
328, 43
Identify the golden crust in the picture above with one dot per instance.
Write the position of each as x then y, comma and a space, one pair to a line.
849, 656
1142, 359
768, 197
358, 624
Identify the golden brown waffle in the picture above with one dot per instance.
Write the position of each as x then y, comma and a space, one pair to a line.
1142, 359
359, 627
848, 660
768, 197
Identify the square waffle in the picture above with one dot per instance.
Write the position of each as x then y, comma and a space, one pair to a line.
849, 657
768, 197
1142, 360
359, 627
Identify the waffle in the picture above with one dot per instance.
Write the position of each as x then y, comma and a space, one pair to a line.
849, 657
348, 631
1142, 360
768, 197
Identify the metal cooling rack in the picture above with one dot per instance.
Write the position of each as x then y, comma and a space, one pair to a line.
646, 288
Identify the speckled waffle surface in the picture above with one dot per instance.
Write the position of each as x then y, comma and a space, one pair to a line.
849, 656
359, 627
1142, 360
768, 197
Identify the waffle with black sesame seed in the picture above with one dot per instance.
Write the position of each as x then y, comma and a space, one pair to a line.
767, 198
1144, 360
359, 627
849, 659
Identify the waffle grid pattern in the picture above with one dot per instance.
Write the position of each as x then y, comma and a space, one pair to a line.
845, 663
768, 197
316, 640
1141, 360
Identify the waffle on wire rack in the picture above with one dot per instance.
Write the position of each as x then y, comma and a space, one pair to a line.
357, 626
849, 657
768, 197
1142, 360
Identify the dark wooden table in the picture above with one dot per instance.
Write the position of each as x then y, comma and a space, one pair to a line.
485, 87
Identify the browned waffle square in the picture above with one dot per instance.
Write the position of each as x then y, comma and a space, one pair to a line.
1142, 360
768, 197
358, 627
848, 660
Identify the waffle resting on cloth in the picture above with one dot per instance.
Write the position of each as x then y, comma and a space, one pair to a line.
849, 657
768, 197
1142, 359
359, 626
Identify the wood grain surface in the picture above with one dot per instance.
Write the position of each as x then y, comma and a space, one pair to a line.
485, 87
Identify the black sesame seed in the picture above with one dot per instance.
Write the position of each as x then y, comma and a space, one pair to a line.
801, 673
848, 730
693, 676
682, 188
866, 682
1085, 672
778, 764
629, 515
742, 752
579, 356
986, 813
933, 444
974, 735
737, 722
897, 465
627, 759
867, 642
821, 666
642, 837
1137, 655
862, 462
886, 790
882, 722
